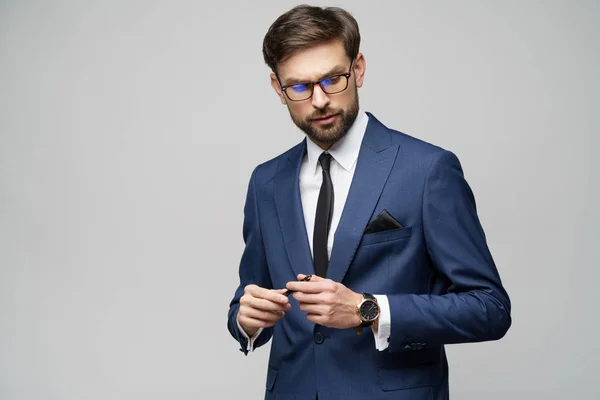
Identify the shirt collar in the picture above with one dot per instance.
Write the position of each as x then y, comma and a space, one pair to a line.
345, 151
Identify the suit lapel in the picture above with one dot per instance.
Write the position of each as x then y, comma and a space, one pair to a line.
375, 160
289, 211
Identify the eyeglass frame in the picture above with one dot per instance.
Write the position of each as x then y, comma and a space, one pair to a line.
312, 84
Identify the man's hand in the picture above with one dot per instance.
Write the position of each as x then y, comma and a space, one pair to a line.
327, 303
261, 308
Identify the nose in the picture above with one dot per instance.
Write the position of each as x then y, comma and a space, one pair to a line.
320, 99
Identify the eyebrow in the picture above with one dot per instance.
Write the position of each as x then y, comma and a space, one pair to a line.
338, 69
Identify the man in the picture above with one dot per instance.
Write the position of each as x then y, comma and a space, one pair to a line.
374, 232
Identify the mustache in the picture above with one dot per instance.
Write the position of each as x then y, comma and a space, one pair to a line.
323, 113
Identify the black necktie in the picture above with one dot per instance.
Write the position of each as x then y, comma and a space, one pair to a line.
323, 218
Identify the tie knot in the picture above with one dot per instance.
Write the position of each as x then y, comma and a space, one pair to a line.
325, 160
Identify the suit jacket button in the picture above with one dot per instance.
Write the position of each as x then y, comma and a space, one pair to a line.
319, 338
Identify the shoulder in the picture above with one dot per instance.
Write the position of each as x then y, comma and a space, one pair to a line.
416, 146
416, 156
422, 153
264, 172
411, 147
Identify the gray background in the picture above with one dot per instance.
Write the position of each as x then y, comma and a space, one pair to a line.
128, 132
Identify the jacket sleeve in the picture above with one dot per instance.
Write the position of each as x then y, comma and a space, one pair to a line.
475, 307
253, 268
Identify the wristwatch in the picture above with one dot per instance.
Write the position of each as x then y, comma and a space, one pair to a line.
368, 311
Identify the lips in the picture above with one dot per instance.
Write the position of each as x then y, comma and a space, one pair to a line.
323, 118
326, 120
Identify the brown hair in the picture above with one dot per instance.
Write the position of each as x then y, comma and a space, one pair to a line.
305, 26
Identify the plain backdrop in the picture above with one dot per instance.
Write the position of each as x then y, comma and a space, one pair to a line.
129, 130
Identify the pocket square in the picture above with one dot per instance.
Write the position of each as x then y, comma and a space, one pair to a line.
383, 222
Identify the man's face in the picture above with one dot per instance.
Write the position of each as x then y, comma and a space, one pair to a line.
325, 118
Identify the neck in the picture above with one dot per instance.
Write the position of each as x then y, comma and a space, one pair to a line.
323, 145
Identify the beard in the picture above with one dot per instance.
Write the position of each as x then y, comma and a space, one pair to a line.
330, 133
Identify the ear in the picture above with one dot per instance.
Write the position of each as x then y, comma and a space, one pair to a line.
277, 87
359, 66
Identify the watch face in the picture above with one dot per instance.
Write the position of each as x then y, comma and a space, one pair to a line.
369, 310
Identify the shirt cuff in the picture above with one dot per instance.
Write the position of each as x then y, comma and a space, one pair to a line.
385, 323
251, 340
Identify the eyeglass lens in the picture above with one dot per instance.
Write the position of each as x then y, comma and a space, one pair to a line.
331, 85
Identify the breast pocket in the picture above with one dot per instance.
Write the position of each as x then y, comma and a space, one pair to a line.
386, 236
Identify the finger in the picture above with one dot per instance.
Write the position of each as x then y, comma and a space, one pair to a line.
254, 323
316, 309
262, 304
268, 294
318, 319
310, 298
311, 287
313, 278
267, 316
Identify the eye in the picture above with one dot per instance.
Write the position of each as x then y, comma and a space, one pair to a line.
299, 88
330, 81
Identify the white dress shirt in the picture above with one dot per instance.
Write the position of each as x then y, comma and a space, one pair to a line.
344, 154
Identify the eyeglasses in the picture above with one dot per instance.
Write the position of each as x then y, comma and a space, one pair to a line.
330, 85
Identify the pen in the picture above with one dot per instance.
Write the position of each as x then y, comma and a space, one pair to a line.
306, 278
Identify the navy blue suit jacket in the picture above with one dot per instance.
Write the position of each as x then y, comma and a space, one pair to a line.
437, 271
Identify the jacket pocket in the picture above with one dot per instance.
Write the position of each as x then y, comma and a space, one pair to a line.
271, 376
386, 236
409, 378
